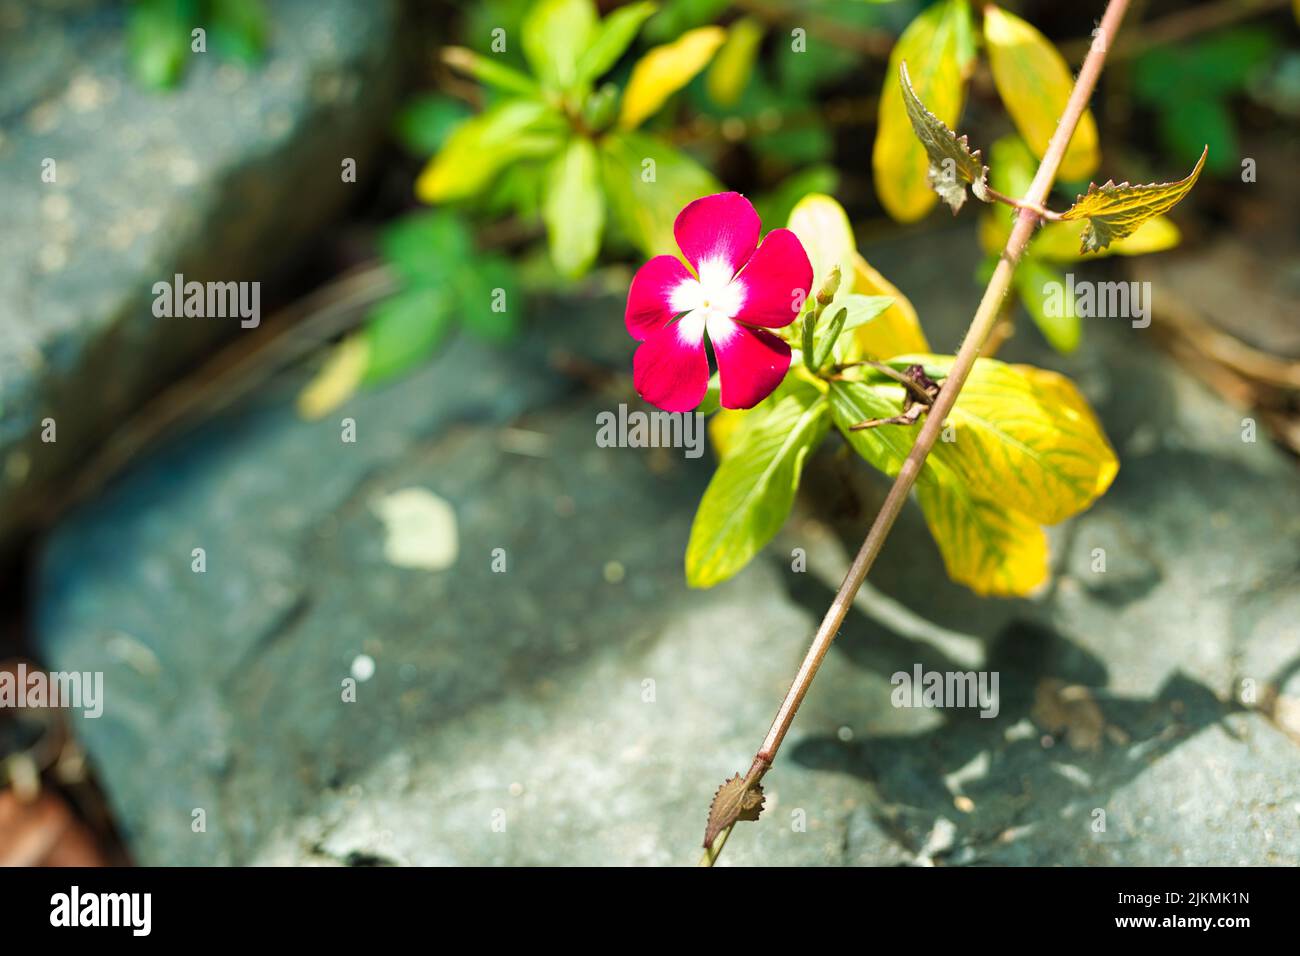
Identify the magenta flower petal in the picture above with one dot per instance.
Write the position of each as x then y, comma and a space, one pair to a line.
722, 228
751, 363
776, 281
671, 369
649, 300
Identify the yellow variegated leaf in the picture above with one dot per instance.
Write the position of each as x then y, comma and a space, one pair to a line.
1035, 83
1059, 241
897, 330
1117, 211
665, 70
986, 545
1026, 435
931, 45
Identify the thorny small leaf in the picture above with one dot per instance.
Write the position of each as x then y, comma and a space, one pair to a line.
733, 801
952, 164
1116, 211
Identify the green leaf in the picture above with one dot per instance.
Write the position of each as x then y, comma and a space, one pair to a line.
239, 29
1047, 300
753, 489
487, 70
478, 148
1011, 173
404, 330
488, 305
424, 123
1115, 211
933, 47
556, 35
1206, 122
647, 183
733, 66
613, 37
158, 40
777, 205
664, 70
952, 164
424, 248
883, 448
574, 208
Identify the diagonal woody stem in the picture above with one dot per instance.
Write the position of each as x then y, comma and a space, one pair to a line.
986, 315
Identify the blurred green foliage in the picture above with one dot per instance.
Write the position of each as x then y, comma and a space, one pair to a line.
1190, 88
160, 35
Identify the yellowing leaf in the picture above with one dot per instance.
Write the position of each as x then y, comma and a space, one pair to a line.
1035, 83
1114, 212
986, 545
1059, 241
574, 208
952, 164
337, 380
1026, 436
723, 428
734, 64
931, 45
665, 70
824, 231
753, 489
897, 330
482, 145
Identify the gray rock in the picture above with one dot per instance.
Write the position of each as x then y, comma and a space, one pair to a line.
225, 179
582, 706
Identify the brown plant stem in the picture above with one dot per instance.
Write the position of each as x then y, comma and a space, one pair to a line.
986, 316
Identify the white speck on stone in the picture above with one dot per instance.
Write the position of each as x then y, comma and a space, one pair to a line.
419, 529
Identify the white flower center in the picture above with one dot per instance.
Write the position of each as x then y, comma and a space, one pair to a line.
708, 300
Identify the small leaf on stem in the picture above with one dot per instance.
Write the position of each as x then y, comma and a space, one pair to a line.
1116, 211
952, 164
733, 801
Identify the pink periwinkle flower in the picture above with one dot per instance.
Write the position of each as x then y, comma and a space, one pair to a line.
737, 290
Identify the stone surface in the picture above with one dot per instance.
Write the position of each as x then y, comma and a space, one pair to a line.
588, 700
224, 178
